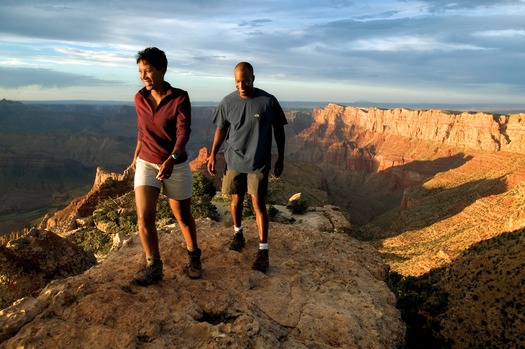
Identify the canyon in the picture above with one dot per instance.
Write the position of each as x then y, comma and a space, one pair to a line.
438, 194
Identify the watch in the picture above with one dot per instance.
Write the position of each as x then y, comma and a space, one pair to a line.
174, 156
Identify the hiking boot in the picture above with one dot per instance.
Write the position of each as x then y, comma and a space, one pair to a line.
194, 267
150, 274
237, 241
261, 261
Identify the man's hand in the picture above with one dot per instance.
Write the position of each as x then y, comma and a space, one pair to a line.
211, 165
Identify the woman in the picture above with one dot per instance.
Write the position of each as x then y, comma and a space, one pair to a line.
160, 161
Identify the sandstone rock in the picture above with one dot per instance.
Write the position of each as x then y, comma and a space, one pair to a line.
326, 219
30, 262
294, 197
337, 218
106, 185
322, 291
120, 239
200, 164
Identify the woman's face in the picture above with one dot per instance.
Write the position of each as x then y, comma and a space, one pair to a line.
152, 78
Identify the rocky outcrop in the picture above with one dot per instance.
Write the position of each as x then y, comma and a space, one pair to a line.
32, 261
106, 185
322, 290
200, 164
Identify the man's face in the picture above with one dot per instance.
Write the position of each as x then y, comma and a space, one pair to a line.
244, 82
152, 78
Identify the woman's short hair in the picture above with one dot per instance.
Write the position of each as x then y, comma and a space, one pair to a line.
153, 56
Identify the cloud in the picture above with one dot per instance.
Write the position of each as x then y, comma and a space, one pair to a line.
406, 44
255, 23
443, 5
86, 56
409, 44
502, 33
13, 78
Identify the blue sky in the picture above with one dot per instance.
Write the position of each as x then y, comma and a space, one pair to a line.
429, 51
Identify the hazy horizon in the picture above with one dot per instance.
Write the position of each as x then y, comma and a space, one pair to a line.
482, 107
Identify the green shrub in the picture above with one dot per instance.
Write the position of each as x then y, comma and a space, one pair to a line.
92, 240
203, 193
275, 189
164, 213
117, 214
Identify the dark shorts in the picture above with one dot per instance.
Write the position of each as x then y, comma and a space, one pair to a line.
235, 182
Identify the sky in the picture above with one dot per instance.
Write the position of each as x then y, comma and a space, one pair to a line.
385, 51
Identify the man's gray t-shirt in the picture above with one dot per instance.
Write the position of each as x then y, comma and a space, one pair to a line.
249, 123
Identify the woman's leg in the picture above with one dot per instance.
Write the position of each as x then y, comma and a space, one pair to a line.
182, 211
146, 198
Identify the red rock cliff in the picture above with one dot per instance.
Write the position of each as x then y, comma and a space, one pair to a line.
352, 137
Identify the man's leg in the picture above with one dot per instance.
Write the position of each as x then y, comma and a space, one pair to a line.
236, 206
258, 188
262, 262
261, 216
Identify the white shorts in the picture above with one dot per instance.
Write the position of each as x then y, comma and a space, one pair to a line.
179, 186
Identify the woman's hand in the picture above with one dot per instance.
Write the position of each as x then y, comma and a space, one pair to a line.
166, 169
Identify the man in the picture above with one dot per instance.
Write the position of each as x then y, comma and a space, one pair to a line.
245, 119
161, 161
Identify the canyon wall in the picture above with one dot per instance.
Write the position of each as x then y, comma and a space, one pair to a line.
372, 155
344, 131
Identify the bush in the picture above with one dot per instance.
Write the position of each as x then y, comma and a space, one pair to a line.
203, 193
117, 214
92, 240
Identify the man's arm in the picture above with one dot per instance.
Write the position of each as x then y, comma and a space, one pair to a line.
278, 131
218, 139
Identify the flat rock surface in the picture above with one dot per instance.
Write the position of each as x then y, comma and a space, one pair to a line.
323, 290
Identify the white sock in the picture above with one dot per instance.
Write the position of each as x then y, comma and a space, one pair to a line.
263, 246
237, 229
